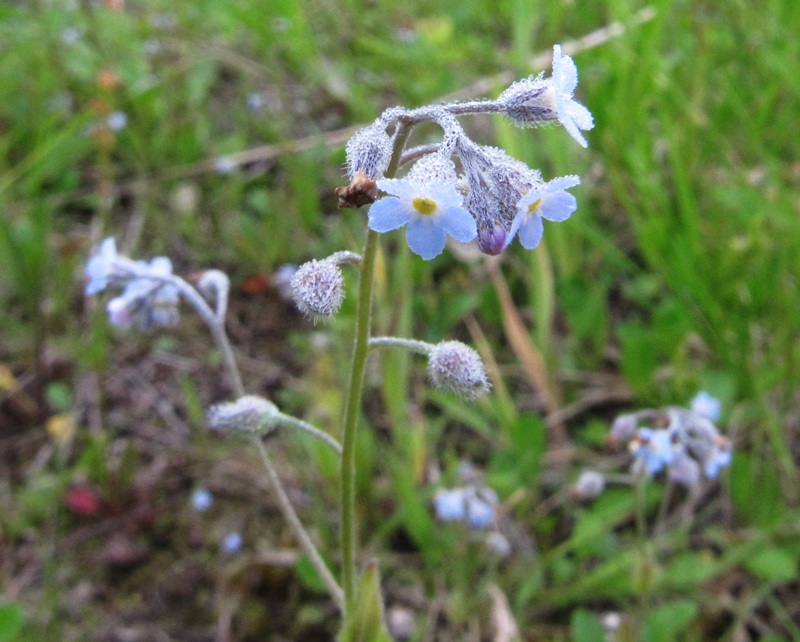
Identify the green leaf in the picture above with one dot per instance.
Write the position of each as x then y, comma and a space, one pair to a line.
585, 627
365, 622
665, 623
772, 565
11, 619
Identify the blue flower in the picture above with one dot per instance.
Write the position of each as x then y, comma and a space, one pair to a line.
449, 505
432, 211
549, 201
201, 499
571, 113
232, 542
706, 405
480, 513
100, 267
147, 301
719, 458
654, 448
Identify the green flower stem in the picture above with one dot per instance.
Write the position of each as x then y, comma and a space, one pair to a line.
353, 406
299, 424
350, 422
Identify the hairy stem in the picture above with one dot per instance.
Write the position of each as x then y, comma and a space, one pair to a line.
353, 406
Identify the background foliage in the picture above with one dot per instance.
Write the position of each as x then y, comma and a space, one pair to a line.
678, 273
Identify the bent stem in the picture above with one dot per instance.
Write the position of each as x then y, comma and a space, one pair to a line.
216, 325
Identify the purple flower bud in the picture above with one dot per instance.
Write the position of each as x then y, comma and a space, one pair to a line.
492, 238
590, 484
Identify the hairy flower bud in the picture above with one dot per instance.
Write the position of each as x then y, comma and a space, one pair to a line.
369, 151
529, 102
457, 367
249, 414
318, 288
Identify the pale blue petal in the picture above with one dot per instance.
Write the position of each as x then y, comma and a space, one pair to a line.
558, 206
530, 232
399, 187
425, 238
563, 182
565, 73
515, 225
572, 128
388, 214
444, 194
580, 114
458, 223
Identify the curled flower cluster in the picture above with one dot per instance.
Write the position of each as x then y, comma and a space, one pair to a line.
496, 198
149, 298
684, 442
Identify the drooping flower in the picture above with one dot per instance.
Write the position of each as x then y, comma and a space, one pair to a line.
571, 113
147, 300
431, 211
546, 201
101, 266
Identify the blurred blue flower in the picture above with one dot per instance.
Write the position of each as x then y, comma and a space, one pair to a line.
719, 458
480, 512
201, 499
571, 113
117, 120
147, 300
654, 448
449, 504
232, 542
431, 210
706, 405
549, 201
101, 266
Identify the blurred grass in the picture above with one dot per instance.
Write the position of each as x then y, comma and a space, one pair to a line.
678, 271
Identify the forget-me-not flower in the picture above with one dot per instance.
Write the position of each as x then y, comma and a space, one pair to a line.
654, 448
201, 499
101, 266
431, 210
232, 542
719, 458
550, 201
449, 504
480, 508
571, 113
706, 405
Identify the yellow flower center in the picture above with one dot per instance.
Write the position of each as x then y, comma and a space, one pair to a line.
424, 205
532, 207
